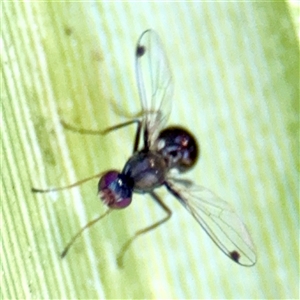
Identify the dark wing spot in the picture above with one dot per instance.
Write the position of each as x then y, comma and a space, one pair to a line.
235, 256
140, 50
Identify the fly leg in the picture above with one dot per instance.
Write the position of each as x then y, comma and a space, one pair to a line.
35, 190
109, 129
126, 246
78, 234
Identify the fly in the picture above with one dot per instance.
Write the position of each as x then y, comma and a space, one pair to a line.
160, 154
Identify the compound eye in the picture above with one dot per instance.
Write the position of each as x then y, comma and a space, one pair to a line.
115, 190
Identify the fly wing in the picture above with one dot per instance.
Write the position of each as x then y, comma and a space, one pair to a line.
155, 84
217, 219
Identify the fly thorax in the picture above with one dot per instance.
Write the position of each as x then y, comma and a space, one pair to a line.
147, 170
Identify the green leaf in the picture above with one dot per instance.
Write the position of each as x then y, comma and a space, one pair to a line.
236, 71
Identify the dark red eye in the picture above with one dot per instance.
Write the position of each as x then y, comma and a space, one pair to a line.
115, 190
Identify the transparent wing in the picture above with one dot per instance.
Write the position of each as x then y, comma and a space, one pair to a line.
218, 220
154, 83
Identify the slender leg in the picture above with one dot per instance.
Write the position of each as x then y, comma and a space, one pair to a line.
145, 230
34, 190
97, 132
109, 129
137, 137
146, 139
89, 224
